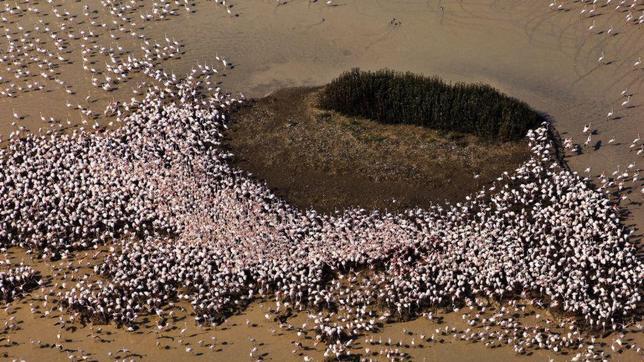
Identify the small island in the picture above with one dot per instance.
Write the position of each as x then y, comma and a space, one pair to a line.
380, 140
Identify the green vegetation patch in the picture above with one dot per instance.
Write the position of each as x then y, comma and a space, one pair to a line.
405, 98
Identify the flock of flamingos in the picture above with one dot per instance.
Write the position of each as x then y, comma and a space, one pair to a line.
147, 177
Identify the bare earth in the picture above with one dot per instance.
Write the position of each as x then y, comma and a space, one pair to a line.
543, 57
320, 159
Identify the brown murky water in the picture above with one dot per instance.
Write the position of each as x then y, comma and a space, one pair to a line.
546, 58
36, 337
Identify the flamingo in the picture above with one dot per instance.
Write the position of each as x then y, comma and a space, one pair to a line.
586, 128
627, 101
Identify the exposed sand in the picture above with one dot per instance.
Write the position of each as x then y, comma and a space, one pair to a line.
544, 57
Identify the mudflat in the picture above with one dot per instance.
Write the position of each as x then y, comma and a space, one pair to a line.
330, 162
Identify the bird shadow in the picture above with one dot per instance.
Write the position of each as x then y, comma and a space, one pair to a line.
597, 145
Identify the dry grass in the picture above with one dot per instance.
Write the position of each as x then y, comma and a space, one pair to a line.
321, 159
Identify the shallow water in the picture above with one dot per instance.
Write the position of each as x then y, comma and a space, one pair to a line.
546, 58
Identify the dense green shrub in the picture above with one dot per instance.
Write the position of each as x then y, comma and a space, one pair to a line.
391, 97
